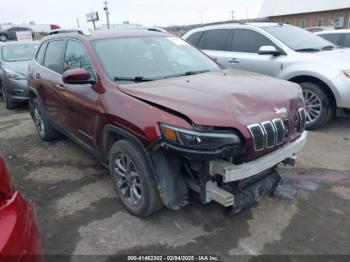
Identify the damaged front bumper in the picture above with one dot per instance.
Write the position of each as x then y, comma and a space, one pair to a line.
246, 197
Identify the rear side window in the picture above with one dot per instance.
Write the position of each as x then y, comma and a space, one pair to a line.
249, 41
215, 40
347, 40
333, 38
41, 53
194, 38
53, 56
76, 57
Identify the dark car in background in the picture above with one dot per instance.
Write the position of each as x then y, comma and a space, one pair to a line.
337, 37
14, 61
11, 33
19, 234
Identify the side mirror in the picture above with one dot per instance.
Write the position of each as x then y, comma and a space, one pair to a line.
77, 77
269, 50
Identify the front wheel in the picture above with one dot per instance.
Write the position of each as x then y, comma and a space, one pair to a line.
133, 180
319, 109
3, 38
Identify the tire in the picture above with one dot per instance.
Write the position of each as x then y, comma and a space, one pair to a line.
10, 105
133, 182
3, 38
319, 109
45, 130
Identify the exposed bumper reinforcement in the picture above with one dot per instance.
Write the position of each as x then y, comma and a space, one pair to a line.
231, 172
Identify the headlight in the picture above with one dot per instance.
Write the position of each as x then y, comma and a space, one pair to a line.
14, 75
346, 73
198, 140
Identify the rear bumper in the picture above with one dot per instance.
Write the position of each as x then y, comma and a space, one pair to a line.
231, 172
19, 236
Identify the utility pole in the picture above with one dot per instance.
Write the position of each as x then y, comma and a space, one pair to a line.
107, 12
78, 23
233, 15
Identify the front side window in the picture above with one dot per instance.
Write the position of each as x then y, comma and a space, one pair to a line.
41, 53
215, 40
297, 38
76, 57
150, 58
334, 38
194, 38
53, 56
249, 41
18, 52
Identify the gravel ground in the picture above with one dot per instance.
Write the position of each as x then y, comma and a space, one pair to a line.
79, 212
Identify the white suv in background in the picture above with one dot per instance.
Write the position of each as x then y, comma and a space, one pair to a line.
287, 52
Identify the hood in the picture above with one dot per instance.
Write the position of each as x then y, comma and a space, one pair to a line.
339, 58
18, 66
225, 98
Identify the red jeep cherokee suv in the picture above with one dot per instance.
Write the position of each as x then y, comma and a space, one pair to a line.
165, 118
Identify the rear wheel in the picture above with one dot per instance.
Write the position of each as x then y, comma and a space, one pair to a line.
45, 130
319, 109
133, 179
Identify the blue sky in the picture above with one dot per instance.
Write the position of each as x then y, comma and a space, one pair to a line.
145, 12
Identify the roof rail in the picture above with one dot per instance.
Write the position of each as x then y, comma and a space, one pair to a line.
81, 31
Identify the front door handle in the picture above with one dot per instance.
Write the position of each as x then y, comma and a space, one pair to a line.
60, 86
234, 61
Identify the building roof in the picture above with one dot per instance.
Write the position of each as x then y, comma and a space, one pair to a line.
287, 7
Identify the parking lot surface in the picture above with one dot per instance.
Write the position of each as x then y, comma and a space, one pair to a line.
79, 213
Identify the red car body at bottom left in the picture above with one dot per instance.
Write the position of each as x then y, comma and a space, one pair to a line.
19, 234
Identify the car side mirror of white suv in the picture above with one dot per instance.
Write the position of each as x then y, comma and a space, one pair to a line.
269, 50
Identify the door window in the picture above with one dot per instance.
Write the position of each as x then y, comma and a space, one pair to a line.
76, 57
194, 38
249, 41
334, 38
215, 40
53, 56
346, 40
41, 53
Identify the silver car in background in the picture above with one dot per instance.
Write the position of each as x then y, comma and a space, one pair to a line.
15, 58
287, 52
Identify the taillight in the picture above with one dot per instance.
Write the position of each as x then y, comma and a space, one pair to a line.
53, 27
6, 186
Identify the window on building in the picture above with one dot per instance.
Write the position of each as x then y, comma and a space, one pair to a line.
320, 22
302, 23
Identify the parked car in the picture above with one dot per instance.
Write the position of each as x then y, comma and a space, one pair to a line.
337, 37
163, 117
19, 231
14, 61
11, 33
319, 29
286, 52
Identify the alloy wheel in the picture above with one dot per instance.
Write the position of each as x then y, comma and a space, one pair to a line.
314, 107
128, 180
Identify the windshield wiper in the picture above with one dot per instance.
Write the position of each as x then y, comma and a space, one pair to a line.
307, 50
136, 79
188, 73
328, 47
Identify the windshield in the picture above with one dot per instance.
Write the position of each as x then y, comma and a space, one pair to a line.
13, 53
133, 59
299, 39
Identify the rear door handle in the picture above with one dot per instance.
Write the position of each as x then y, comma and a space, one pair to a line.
233, 61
